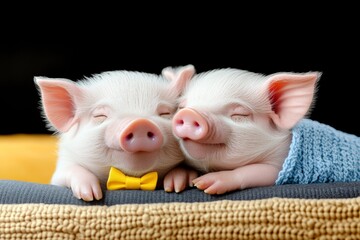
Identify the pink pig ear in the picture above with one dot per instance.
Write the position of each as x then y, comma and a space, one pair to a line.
291, 96
179, 77
59, 97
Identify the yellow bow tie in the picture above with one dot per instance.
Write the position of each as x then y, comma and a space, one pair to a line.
118, 180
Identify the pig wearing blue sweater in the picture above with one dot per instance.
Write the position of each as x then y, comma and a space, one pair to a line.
241, 129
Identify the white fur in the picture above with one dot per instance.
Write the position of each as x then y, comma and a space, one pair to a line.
123, 95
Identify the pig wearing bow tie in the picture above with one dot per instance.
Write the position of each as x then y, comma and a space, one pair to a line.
119, 119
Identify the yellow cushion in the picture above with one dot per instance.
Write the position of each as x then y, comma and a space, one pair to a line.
28, 157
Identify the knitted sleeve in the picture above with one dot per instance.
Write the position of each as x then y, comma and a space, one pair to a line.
319, 154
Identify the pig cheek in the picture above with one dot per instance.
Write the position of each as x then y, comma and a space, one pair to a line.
170, 150
247, 143
213, 145
193, 150
111, 135
203, 156
172, 153
85, 146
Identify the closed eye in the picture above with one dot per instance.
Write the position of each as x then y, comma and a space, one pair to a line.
100, 118
165, 115
239, 117
165, 111
238, 112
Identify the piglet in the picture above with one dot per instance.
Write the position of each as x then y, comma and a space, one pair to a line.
119, 119
243, 130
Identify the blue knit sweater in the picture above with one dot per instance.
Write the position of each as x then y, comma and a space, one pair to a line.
320, 154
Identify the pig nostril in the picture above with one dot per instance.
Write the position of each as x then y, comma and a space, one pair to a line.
129, 136
150, 135
196, 124
180, 122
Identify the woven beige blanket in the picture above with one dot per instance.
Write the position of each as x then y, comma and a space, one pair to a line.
275, 218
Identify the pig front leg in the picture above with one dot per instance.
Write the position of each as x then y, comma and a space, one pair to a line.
254, 175
83, 183
179, 178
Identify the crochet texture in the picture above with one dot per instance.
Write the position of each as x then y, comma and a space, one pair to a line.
319, 154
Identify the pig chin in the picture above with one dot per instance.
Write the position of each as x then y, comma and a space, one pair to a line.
135, 164
201, 151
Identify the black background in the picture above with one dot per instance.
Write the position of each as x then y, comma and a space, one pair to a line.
329, 46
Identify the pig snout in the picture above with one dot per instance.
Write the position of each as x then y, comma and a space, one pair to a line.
141, 135
189, 124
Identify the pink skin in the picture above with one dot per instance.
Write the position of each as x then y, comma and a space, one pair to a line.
134, 141
190, 124
179, 178
225, 181
83, 183
240, 142
141, 135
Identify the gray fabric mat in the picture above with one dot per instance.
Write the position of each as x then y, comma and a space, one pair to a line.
17, 192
